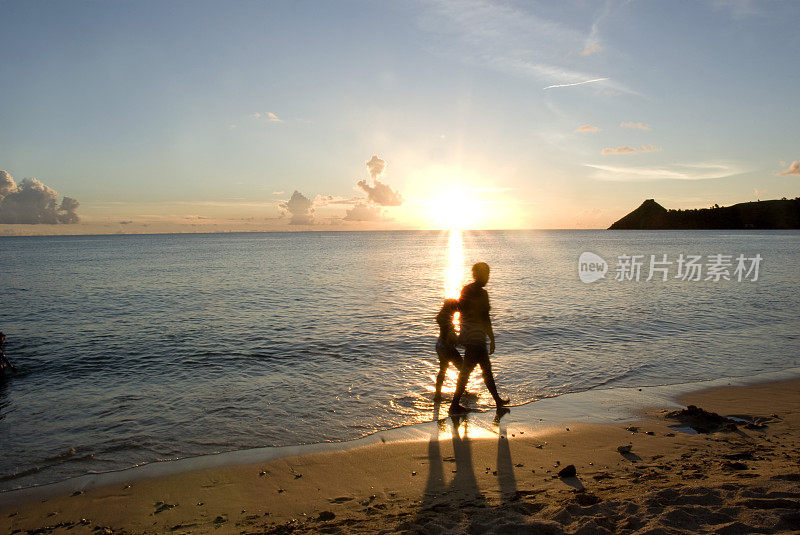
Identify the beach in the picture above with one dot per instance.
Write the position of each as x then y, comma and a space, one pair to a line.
740, 478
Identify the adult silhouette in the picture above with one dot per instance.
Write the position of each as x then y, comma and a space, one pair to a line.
476, 326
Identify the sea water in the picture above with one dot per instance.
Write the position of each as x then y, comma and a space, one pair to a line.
135, 349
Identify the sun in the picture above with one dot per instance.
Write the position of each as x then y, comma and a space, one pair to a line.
454, 208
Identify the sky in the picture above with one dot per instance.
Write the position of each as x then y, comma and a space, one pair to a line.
232, 116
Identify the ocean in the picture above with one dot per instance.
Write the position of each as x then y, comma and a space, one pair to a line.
145, 348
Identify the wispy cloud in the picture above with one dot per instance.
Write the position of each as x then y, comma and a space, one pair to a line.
636, 126
688, 171
587, 128
269, 116
630, 150
588, 50
507, 39
794, 169
577, 83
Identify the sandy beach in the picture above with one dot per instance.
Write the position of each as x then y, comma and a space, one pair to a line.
739, 477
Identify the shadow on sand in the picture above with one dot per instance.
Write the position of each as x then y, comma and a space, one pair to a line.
460, 502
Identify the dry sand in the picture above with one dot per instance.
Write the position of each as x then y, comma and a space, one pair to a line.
742, 480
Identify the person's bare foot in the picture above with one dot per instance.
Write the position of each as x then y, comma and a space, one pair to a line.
502, 402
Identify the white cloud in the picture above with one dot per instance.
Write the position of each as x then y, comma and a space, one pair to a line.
794, 169
269, 116
577, 83
587, 128
689, 171
32, 202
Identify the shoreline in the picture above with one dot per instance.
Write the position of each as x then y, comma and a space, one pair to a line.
616, 404
388, 468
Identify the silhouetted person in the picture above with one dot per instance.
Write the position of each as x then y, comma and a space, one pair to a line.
446, 344
476, 326
5, 364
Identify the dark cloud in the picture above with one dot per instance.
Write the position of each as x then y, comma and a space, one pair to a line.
32, 202
300, 209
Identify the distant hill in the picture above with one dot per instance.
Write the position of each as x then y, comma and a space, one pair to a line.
778, 214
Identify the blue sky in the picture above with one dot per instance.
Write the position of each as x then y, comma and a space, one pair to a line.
199, 115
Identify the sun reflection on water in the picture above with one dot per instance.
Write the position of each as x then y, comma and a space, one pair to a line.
454, 276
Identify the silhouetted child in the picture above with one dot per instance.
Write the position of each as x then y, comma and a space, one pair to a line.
446, 344
5, 364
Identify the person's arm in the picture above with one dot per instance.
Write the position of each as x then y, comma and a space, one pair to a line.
490, 332
487, 321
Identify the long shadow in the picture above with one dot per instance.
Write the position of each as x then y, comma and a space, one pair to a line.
456, 503
505, 467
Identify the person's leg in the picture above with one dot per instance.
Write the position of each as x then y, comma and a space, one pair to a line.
488, 378
463, 377
440, 378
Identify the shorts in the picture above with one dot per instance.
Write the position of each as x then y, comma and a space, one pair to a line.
476, 354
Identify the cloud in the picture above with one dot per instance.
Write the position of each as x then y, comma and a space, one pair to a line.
619, 150
32, 202
278, 192
300, 208
629, 150
376, 166
507, 39
364, 212
380, 193
637, 126
588, 50
587, 128
269, 116
576, 83
794, 169
688, 171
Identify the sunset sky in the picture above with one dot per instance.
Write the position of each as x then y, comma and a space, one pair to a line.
208, 116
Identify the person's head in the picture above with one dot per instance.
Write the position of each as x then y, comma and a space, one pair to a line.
480, 272
450, 306
2, 337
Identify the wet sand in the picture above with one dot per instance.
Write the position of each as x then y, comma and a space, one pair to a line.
498, 479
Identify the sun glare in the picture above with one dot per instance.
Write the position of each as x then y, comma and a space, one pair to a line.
455, 209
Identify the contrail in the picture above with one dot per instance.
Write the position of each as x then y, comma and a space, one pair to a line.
576, 83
